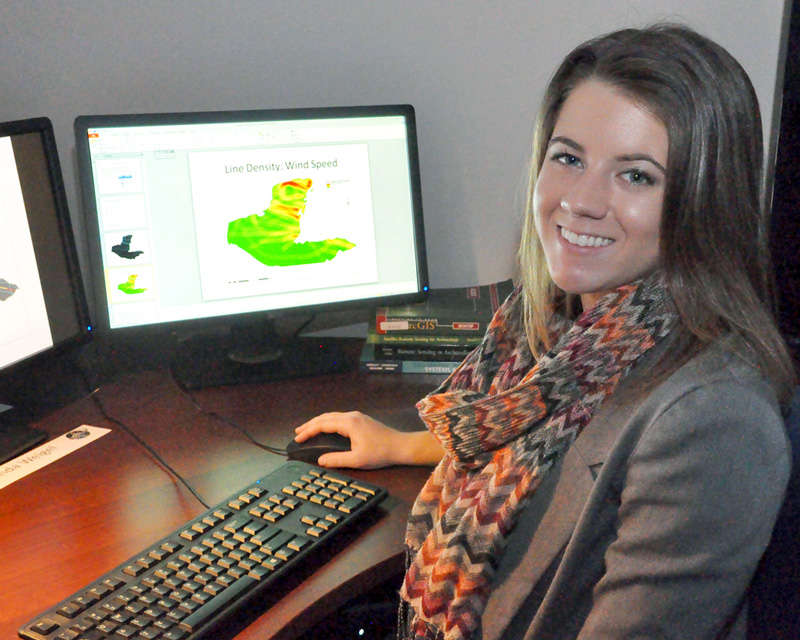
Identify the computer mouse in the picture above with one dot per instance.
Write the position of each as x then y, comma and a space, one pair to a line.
310, 450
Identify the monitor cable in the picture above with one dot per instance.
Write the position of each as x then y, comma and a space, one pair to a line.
99, 404
93, 394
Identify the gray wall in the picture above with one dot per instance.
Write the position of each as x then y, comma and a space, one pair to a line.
474, 71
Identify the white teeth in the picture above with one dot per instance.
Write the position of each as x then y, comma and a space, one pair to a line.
584, 240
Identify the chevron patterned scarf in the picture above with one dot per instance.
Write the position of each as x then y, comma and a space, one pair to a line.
503, 421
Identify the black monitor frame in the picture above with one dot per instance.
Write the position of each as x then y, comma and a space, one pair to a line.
260, 319
34, 383
44, 236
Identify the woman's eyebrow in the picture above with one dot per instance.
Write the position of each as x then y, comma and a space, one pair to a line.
567, 141
642, 156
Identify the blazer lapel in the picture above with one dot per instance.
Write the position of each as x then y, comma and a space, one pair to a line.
552, 515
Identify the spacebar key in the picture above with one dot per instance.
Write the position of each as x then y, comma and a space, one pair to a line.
216, 604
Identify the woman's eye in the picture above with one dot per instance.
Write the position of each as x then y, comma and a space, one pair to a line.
638, 177
567, 159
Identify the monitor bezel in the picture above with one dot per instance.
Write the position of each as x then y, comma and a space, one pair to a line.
84, 123
43, 126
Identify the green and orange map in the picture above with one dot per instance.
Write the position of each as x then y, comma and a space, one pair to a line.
129, 286
271, 237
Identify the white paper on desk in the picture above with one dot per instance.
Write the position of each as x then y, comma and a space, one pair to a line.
43, 455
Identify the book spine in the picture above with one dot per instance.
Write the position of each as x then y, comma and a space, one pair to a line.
369, 363
419, 339
426, 326
407, 366
435, 353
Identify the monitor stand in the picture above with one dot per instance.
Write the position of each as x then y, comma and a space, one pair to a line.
255, 353
16, 436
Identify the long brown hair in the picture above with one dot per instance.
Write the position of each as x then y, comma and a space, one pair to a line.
714, 225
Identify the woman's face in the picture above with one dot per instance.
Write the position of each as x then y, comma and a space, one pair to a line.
600, 192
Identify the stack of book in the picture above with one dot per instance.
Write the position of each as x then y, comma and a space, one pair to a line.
432, 336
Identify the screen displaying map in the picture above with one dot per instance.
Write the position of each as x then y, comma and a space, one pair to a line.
213, 215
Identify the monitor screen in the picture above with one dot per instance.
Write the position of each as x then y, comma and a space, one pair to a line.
197, 217
42, 302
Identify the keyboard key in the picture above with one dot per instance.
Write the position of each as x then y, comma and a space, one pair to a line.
237, 524
69, 610
158, 554
189, 606
201, 527
127, 632
107, 627
134, 570
351, 505
190, 534
257, 512
140, 623
113, 583
82, 625
337, 478
45, 627
100, 591
285, 553
276, 542
171, 547
121, 617
264, 536
214, 589
211, 520
365, 488
298, 543
254, 527
86, 600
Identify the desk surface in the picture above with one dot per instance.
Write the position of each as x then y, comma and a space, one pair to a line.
81, 516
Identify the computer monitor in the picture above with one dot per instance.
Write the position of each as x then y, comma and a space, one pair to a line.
42, 302
202, 219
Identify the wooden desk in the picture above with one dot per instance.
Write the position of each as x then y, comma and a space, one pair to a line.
63, 526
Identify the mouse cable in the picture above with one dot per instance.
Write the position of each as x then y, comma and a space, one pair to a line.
107, 416
218, 416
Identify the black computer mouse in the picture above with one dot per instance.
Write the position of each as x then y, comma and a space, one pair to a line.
310, 450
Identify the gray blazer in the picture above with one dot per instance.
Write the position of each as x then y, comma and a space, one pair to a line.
652, 524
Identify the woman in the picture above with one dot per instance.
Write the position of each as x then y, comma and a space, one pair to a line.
611, 459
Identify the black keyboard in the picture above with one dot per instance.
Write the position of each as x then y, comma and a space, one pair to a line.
187, 582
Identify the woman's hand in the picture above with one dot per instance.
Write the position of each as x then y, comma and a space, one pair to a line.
372, 443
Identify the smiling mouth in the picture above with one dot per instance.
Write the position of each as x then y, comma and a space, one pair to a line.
584, 240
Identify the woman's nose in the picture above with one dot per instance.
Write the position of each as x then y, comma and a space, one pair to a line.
588, 196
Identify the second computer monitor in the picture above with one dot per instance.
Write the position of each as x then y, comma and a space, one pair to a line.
42, 303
